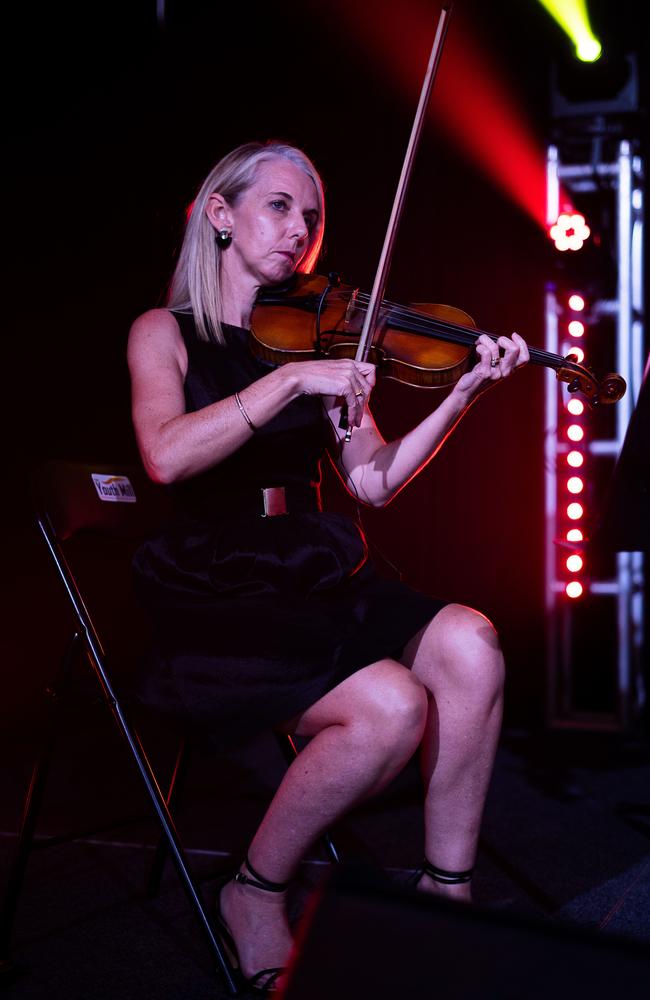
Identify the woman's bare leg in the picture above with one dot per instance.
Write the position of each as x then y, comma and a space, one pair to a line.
458, 659
363, 733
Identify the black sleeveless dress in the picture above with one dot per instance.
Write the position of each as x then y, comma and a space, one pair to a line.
256, 618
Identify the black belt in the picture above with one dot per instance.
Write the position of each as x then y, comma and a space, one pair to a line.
270, 501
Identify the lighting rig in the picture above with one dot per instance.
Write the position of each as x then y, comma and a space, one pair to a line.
594, 312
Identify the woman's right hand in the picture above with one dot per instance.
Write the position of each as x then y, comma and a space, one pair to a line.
344, 379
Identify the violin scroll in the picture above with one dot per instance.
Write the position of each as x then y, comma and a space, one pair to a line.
612, 388
609, 389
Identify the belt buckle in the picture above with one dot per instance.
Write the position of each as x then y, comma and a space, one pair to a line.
274, 500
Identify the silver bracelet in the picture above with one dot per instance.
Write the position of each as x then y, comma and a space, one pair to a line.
244, 414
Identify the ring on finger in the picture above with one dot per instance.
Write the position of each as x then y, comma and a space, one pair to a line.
494, 362
359, 392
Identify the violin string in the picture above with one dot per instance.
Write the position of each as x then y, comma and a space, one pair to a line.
464, 334
457, 332
421, 323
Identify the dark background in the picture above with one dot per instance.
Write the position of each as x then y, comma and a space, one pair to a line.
112, 120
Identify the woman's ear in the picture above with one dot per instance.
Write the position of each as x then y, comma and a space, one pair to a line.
218, 212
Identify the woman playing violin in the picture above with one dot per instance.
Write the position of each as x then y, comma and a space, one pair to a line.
268, 613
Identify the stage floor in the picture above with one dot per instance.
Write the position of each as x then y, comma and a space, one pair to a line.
566, 838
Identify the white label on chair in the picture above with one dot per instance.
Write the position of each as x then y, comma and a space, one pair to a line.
114, 489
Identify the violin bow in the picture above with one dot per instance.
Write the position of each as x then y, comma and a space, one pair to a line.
379, 284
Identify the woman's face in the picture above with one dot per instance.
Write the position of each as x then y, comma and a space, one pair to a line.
273, 223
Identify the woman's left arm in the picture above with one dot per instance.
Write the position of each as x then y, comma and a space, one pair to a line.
376, 470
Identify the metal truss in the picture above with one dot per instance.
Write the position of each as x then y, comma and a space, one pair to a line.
594, 643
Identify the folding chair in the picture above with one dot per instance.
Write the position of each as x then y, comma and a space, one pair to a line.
92, 518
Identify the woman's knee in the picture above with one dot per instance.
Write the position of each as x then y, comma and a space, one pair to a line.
392, 705
383, 699
469, 651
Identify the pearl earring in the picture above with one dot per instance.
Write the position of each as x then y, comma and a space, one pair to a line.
223, 239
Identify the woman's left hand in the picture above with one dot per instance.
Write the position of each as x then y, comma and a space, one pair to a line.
497, 360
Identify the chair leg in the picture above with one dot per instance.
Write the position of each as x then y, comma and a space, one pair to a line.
166, 821
290, 752
33, 803
34, 799
174, 792
97, 659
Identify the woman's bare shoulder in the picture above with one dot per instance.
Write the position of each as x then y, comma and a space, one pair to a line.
156, 331
156, 335
154, 321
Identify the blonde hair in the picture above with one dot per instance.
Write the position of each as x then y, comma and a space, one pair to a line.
195, 286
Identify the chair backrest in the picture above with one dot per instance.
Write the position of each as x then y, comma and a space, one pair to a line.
93, 516
116, 499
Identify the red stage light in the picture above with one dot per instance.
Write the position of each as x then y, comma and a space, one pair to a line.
576, 407
574, 589
575, 432
576, 328
576, 354
575, 459
576, 302
575, 511
574, 535
570, 231
574, 563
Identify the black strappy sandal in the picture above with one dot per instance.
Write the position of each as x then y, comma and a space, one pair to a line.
440, 875
257, 983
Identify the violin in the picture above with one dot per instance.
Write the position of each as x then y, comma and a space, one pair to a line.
423, 344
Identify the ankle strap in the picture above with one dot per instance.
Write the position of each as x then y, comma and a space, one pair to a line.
258, 881
443, 876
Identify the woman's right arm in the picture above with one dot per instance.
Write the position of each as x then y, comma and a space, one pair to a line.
176, 445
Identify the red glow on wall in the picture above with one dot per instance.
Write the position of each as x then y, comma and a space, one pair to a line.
475, 105
472, 100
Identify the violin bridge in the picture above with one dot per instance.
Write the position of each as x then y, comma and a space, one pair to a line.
351, 309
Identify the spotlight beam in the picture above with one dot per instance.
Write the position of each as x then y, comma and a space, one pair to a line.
573, 17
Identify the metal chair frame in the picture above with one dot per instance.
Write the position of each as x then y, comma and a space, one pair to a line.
86, 639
